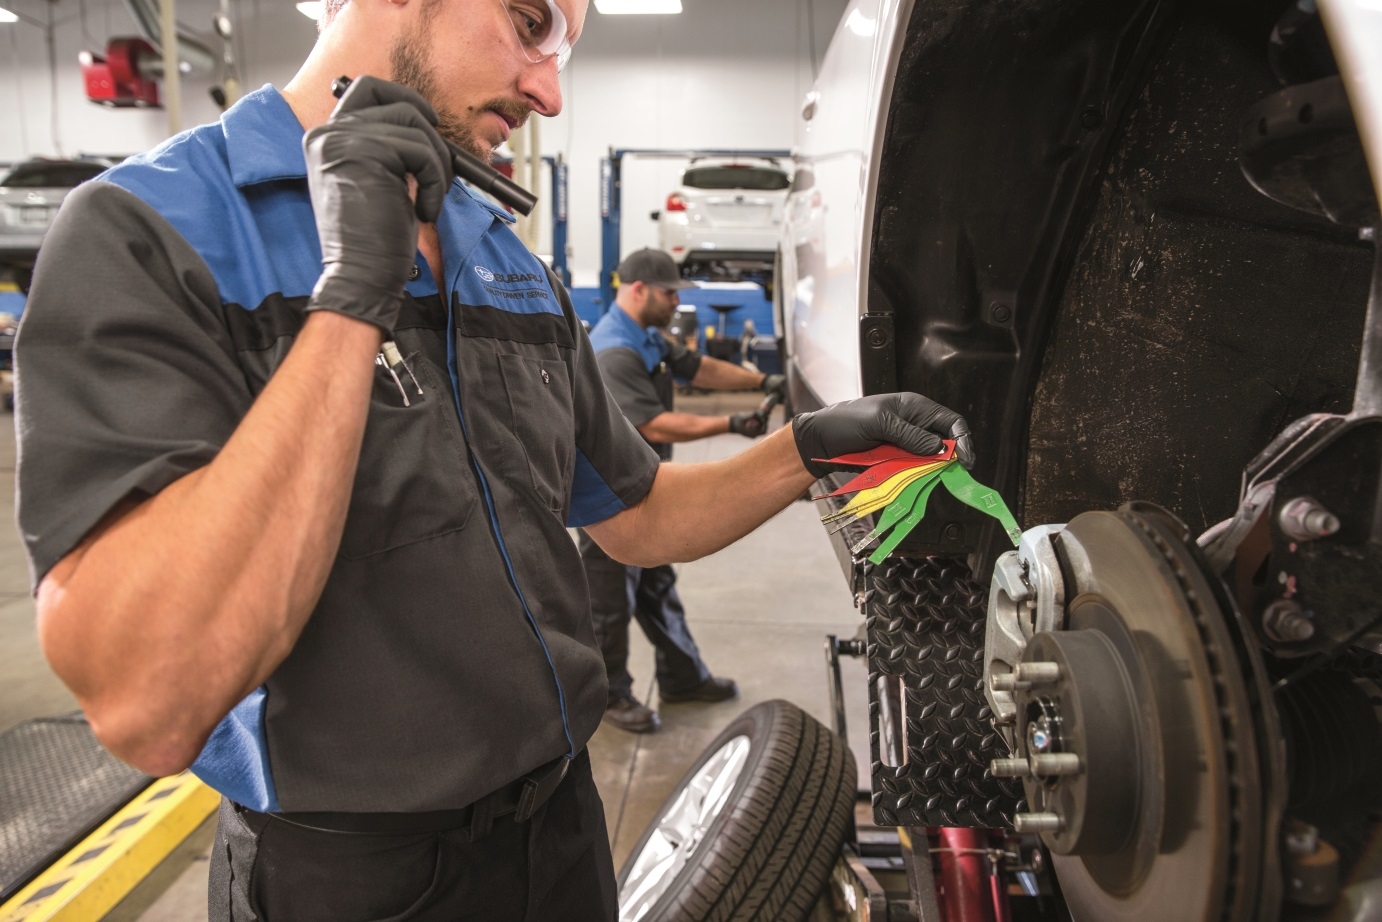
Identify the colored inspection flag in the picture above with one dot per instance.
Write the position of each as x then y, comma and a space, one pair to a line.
899, 484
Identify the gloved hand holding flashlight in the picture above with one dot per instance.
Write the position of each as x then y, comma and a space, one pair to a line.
358, 164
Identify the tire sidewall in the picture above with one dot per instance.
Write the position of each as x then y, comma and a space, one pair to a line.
756, 723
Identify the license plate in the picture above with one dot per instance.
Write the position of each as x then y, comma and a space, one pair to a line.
734, 213
35, 214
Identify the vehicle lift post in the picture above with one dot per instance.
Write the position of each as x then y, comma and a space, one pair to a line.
611, 208
559, 218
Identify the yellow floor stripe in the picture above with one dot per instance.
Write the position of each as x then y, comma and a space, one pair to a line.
87, 882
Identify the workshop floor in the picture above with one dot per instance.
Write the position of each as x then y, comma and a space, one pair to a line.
759, 611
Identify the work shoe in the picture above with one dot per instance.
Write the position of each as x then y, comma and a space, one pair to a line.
712, 689
631, 715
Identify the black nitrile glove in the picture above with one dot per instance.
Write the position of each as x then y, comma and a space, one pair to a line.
357, 169
774, 384
750, 425
909, 421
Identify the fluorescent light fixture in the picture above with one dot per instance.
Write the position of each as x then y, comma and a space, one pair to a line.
613, 7
312, 9
7, 16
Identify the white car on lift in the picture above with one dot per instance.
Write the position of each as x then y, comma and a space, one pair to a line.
725, 217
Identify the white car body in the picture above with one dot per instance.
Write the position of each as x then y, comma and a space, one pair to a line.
824, 248
825, 240
735, 224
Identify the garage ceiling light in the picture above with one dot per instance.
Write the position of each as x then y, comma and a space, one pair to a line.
312, 9
7, 16
638, 6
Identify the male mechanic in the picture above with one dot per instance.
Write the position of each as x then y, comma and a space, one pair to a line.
335, 579
637, 363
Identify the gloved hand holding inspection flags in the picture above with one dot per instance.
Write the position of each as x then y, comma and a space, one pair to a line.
899, 484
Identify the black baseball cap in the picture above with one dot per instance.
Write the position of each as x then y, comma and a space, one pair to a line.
652, 267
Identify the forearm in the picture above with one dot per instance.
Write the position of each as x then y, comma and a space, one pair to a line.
696, 509
683, 427
717, 375
173, 612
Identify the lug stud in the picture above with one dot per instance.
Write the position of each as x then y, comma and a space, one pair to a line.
1038, 822
1038, 673
1010, 768
1025, 676
1055, 763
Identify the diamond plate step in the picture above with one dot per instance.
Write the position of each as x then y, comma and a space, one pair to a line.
926, 620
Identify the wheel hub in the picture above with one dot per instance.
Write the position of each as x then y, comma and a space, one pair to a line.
1131, 731
1083, 761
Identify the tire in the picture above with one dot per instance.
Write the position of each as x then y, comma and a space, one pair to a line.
769, 851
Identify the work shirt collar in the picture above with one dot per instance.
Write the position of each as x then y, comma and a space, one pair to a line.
264, 143
263, 139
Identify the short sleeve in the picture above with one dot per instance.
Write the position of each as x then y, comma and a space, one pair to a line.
684, 362
630, 384
615, 466
125, 374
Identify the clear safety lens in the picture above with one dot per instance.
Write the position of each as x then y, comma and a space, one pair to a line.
541, 30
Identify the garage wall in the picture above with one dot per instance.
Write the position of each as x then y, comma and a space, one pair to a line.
724, 73
42, 116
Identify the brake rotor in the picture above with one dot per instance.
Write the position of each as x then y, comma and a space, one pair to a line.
1140, 734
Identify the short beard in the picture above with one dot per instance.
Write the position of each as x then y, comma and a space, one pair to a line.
410, 71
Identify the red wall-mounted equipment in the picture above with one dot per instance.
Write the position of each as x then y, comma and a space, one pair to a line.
117, 80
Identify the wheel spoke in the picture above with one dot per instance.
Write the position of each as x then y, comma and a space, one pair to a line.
678, 831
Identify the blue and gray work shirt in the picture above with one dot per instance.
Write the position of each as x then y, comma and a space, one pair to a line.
638, 365
451, 651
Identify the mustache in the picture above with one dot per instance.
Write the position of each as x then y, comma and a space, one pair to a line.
512, 110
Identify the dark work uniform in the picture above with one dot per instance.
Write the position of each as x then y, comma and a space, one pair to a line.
638, 365
451, 651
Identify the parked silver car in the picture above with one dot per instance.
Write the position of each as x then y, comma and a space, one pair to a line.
30, 196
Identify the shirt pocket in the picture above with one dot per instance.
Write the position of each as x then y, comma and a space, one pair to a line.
544, 421
414, 480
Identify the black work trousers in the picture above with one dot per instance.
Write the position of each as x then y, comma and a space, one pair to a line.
552, 868
649, 596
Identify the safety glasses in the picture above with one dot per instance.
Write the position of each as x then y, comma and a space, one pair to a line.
541, 30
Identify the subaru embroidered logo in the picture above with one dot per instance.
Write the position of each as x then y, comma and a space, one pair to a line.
484, 273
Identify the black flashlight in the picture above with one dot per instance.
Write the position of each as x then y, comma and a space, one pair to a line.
473, 170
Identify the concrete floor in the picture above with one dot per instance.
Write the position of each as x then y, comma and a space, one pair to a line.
759, 611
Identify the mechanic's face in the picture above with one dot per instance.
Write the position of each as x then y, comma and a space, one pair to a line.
660, 306
465, 58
